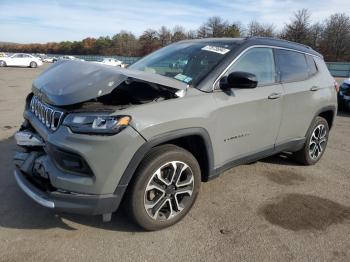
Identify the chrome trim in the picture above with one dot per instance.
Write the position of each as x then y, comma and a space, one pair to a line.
255, 46
49, 116
37, 198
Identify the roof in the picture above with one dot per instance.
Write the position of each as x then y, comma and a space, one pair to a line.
249, 41
281, 43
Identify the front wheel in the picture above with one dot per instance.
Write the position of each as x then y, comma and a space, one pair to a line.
2, 63
316, 142
33, 65
165, 187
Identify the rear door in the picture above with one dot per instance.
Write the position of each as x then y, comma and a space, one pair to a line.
297, 73
26, 60
248, 120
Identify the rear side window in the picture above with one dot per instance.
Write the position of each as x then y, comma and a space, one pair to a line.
292, 65
311, 64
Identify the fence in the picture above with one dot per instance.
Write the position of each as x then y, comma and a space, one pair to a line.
125, 59
339, 69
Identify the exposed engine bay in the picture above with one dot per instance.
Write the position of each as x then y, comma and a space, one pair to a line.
127, 94
72, 83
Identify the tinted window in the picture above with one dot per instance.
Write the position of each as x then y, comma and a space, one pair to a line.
258, 61
292, 65
311, 64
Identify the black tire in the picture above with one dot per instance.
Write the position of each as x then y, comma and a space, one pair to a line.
305, 156
33, 65
3, 63
144, 178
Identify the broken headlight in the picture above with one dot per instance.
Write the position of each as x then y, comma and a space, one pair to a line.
94, 123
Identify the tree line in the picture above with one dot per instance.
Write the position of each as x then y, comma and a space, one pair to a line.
330, 37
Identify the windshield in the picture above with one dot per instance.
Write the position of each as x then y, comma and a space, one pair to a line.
187, 62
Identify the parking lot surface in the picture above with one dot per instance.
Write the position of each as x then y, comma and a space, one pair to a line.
271, 210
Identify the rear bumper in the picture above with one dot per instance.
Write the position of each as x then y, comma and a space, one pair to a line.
70, 202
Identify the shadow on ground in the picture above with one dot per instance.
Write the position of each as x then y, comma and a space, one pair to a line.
281, 159
20, 212
285, 177
304, 212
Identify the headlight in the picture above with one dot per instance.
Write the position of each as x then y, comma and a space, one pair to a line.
96, 123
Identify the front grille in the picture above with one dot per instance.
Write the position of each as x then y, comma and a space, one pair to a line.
49, 116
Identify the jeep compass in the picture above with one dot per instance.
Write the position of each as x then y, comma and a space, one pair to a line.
95, 136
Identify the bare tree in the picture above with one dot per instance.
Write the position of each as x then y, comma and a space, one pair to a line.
191, 34
335, 43
202, 31
164, 35
216, 26
298, 29
179, 33
234, 30
149, 42
124, 43
315, 35
257, 29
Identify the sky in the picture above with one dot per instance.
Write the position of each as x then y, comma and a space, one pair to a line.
40, 21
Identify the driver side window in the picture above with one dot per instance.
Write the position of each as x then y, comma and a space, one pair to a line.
258, 61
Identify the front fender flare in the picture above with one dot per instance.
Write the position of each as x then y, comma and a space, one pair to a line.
161, 139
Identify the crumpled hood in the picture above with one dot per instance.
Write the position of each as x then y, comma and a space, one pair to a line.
71, 82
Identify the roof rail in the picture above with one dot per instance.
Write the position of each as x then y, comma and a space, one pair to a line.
277, 39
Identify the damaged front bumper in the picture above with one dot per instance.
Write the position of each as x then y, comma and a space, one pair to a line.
94, 188
32, 171
67, 202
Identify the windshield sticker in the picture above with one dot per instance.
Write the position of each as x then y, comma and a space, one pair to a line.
216, 49
183, 78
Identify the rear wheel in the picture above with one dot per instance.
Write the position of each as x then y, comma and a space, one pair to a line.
2, 63
165, 187
315, 144
33, 64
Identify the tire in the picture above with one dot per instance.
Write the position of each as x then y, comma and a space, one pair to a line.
33, 65
155, 205
316, 143
2, 63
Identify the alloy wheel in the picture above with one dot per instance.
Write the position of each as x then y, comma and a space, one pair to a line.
317, 141
169, 190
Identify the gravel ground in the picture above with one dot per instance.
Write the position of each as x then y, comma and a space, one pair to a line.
272, 210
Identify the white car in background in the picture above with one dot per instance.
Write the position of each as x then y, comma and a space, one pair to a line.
48, 59
24, 60
110, 61
67, 57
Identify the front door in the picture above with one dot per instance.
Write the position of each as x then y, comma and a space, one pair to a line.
248, 120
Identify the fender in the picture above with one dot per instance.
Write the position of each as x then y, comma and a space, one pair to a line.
161, 139
322, 110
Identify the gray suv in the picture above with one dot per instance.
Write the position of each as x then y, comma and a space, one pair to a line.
95, 135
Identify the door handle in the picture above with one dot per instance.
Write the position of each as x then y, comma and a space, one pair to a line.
314, 88
275, 95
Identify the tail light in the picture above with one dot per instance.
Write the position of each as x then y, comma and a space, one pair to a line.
336, 86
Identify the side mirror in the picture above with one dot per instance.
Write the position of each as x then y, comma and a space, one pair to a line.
239, 80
